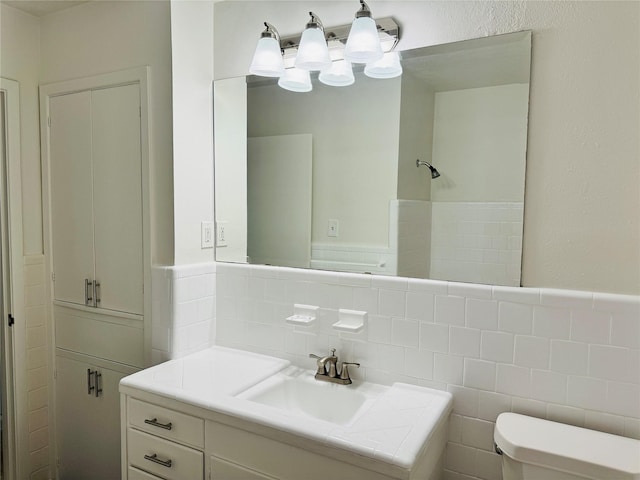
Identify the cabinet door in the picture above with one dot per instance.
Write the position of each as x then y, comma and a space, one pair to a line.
71, 195
223, 470
117, 197
88, 427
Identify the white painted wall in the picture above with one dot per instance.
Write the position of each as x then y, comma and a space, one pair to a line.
19, 60
416, 138
489, 165
192, 75
353, 181
100, 37
581, 226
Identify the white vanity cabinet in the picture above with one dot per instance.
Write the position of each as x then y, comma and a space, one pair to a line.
191, 418
165, 443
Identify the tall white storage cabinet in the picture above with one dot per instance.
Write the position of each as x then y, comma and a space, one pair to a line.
95, 173
96, 198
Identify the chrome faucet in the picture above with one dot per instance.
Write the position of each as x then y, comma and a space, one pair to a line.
332, 374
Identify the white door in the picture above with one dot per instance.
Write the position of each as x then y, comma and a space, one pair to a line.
71, 195
279, 179
117, 197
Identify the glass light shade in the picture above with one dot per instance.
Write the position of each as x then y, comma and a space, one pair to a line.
363, 43
387, 67
296, 80
339, 74
313, 53
267, 59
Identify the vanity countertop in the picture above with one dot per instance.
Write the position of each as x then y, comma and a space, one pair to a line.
393, 429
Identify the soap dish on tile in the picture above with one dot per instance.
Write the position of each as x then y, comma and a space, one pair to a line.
352, 321
304, 315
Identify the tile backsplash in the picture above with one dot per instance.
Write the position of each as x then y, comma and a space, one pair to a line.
183, 310
477, 241
563, 355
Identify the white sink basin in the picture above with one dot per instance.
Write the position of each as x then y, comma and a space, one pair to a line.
297, 391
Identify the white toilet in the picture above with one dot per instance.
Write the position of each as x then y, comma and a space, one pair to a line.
536, 449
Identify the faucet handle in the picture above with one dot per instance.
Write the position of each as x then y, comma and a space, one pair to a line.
344, 371
321, 368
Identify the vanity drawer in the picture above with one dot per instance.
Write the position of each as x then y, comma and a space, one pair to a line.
163, 458
166, 423
135, 474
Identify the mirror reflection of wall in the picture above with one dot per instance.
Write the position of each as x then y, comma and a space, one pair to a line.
460, 107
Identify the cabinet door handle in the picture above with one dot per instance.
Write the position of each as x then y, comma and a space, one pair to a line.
98, 376
87, 289
154, 458
96, 293
90, 387
155, 423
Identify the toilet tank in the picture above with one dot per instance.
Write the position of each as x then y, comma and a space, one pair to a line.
534, 449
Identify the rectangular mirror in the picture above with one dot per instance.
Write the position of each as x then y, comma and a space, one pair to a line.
418, 176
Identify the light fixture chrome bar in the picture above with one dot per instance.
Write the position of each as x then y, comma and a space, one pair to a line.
387, 27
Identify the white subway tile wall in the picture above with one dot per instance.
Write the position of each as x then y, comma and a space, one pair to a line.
183, 310
37, 367
480, 237
567, 356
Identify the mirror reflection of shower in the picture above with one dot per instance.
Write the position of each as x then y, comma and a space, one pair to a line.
434, 172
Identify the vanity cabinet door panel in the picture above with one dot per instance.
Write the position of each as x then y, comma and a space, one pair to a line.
135, 474
274, 459
88, 429
71, 195
221, 470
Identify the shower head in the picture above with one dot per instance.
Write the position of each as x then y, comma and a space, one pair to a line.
434, 172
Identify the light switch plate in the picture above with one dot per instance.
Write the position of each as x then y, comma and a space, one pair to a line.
332, 228
206, 233
221, 234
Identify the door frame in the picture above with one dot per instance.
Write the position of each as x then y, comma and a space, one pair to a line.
13, 338
137, 75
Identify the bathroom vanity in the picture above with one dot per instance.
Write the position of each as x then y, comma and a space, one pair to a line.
230, 415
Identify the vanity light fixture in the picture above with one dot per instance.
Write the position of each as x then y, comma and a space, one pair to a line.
331, 51
363, 43
313, 52
296, 80
387, 67
340, 72
267, 59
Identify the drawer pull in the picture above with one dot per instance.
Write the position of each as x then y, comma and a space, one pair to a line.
87, 286
155, 423
154, 458
98, 376
90, 387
